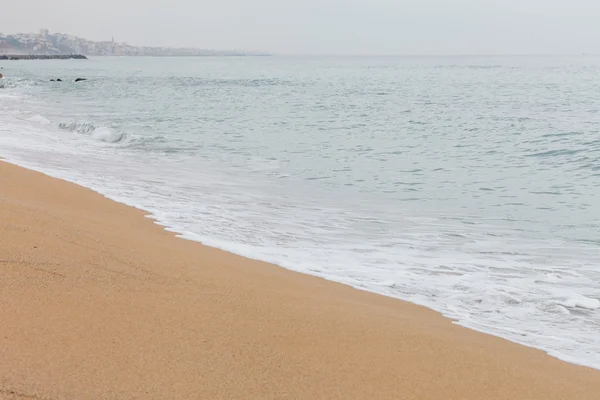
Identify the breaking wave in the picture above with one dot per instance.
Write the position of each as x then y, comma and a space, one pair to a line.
101, 134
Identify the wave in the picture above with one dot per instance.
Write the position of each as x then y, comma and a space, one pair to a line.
39, 119
256, 82
101, 134
470, 66
105, 134
552, 153
15, 83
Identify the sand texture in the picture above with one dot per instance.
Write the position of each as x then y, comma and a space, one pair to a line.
97, 302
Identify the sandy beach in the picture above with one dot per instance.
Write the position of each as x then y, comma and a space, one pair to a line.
98, 302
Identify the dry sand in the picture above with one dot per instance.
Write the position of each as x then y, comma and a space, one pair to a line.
97, 302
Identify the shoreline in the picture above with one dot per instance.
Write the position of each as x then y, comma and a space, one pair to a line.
183, 235
255, 330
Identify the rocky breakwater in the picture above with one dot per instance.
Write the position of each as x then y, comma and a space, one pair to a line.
42, 57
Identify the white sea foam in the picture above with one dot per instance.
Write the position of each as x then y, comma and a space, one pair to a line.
39, 119
581, 302
104, 134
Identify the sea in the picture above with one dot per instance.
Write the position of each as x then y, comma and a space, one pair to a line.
469, 185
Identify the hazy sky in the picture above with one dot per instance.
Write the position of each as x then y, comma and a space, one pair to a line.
324, 26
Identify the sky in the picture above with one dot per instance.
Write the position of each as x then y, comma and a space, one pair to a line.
319, 27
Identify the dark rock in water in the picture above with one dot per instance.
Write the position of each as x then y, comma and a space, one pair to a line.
52, 80
59, 80
80, 79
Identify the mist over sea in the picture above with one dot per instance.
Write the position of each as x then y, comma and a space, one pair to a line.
470, 185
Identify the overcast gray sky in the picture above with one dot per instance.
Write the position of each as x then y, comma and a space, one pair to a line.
324, 26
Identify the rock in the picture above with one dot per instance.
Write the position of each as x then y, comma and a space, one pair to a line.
42, 57
59, 80
80, 79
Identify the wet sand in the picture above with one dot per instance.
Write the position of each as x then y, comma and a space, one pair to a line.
98, 302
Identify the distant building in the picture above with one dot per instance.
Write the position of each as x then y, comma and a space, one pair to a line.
44, 33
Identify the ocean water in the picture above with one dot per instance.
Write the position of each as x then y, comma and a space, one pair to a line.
468, 185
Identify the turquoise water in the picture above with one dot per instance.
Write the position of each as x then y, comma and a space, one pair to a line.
469, 185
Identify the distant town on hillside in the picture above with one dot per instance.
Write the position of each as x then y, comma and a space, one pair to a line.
46, 43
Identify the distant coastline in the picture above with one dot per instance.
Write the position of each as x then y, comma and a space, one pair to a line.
60, 44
